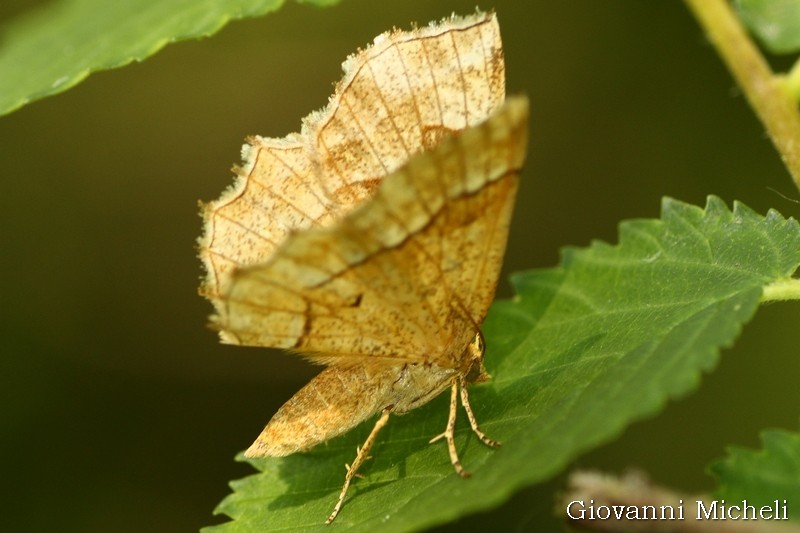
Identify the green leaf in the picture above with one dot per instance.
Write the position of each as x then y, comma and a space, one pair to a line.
581, 351
52, 49
763, 476
776, 23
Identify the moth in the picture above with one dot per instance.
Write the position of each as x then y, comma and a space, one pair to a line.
371, 242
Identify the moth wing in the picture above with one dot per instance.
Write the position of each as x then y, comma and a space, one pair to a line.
404, 93
378, 116
408, 275
325, 408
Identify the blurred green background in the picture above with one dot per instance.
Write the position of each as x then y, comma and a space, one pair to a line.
121, 411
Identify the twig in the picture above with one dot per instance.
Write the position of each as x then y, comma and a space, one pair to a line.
767, 93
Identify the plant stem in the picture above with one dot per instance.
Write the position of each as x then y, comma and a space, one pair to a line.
767, 93
792, 80
786, 289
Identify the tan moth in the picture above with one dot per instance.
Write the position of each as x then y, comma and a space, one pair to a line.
371, 241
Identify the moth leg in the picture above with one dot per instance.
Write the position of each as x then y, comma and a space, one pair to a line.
449, 432
472, 421
362, 454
